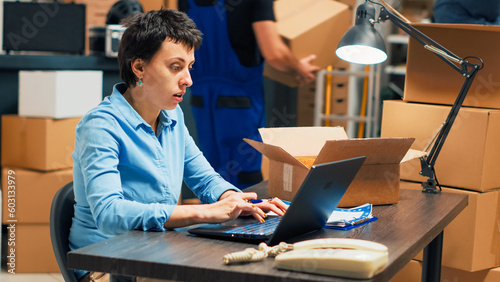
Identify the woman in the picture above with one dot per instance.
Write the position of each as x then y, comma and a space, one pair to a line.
133, 151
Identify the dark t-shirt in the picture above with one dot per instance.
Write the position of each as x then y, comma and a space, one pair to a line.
467, 11
240, 16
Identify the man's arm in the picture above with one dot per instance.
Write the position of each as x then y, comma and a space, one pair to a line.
277, 53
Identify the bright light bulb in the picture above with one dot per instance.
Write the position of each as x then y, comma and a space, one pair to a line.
361, 54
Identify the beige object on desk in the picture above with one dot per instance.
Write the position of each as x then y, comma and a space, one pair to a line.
351, 258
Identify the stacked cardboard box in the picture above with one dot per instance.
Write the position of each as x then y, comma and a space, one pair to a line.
412, 272
27, 196
306, 98
470, 158
36, 159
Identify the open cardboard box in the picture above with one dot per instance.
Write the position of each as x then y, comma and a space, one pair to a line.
377, 182
430, 80
310, 27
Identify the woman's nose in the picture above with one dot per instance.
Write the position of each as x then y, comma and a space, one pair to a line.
186, 79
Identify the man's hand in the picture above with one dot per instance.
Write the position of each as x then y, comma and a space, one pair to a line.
307, 71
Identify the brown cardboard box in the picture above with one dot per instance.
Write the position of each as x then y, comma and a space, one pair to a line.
171, 4
305, 104
340, 93
377, 182
470, 157
430, 80
149, 5
471, 241
352, 3
38, 143
310, 27
30, 250
27, 194
412, 272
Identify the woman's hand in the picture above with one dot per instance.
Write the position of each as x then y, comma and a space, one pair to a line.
272, 204
253, 206
230, 205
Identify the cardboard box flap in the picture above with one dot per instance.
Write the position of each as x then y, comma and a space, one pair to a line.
274, 152
301, 141
376, 150
413, 154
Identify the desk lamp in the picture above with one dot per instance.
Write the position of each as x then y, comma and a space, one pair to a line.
362, 44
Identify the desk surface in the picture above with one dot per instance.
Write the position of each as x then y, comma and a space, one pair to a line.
405, 228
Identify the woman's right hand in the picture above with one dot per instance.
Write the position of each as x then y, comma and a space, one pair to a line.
234, 205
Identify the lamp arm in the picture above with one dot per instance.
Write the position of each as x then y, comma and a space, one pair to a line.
433, 153
431, 45
427, 162
466, 69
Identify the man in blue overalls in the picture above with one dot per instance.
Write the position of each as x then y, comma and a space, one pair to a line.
227, 95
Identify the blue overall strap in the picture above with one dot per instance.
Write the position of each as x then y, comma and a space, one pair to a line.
227, 99
216, 58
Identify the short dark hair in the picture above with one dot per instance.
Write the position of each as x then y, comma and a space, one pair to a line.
145, 33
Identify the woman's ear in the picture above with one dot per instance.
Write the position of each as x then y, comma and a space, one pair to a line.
137, 66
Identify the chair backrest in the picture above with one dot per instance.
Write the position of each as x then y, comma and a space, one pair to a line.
61, 215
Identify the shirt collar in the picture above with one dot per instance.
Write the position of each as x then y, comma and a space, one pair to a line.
131, 115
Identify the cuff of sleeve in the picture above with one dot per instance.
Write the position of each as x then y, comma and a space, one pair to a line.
162, 214
221, 190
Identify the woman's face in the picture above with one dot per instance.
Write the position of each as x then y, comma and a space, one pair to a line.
166, 76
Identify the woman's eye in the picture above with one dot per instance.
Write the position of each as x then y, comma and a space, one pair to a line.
175, 68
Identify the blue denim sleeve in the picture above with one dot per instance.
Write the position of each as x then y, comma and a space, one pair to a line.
97, 148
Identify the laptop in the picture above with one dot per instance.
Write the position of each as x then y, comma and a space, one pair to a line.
314, 202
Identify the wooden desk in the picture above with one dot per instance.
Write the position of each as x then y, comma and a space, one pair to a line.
405, 228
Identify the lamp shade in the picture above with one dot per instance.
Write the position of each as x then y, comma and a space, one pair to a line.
362, 44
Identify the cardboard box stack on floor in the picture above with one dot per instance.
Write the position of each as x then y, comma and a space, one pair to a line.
339, 94
36, 159
412, 272
470, 158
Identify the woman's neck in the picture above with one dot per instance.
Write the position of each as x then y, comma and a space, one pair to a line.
145, 110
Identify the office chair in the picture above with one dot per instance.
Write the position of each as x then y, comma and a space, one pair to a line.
61, 214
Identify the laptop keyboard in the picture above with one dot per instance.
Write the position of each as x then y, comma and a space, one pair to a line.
256, 228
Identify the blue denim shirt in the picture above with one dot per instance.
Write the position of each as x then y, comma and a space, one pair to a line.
126, 177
